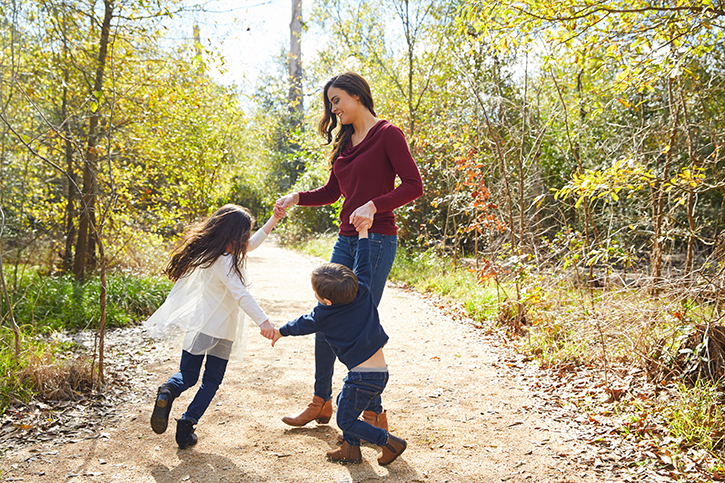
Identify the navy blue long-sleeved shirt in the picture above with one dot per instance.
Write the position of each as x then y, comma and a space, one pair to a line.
353, 330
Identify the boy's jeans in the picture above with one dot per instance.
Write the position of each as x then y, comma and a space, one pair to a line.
382, 256
359, 391
188, 375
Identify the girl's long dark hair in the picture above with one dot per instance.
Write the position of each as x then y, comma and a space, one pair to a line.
229, 226
355, 85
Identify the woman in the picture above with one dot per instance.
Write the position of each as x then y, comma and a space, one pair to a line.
367, 154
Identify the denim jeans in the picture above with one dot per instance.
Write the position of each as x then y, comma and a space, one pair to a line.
360, 390
382, 256
188, 375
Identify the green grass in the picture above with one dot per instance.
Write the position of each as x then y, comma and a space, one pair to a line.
427, 272
696, 418
48, 303
318, 246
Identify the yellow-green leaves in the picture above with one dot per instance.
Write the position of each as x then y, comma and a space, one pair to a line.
625, 174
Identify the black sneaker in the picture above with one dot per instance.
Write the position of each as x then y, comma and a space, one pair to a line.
162, 408
185, 435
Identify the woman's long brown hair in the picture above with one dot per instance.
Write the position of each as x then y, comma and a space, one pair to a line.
229, 226
355, 85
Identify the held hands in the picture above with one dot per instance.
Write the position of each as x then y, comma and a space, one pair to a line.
363, 216
279, 212
267, 330
277, 336
287, 201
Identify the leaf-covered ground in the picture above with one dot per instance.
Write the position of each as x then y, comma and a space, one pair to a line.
470, 407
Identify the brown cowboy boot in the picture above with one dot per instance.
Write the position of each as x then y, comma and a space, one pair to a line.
345, 454
392, 449
377, 420
319, 410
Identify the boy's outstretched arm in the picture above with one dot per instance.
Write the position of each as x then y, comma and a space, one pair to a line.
276, 336
362, 267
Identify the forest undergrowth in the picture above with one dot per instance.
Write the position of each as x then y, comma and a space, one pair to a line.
656, 359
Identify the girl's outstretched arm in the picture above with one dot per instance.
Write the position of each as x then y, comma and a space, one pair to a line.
261, 234
278, 214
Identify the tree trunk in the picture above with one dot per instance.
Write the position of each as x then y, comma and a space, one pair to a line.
694, 164
85, 246
658, 193
70, 208
411, 63
102, 323
520, 161
296, 107
8, 302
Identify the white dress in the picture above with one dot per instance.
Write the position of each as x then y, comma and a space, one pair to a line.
204, 312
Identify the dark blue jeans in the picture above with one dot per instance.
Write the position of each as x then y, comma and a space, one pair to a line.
361, 389
382, 256
188, 375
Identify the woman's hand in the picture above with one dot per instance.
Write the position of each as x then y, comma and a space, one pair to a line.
288, 200
363, 216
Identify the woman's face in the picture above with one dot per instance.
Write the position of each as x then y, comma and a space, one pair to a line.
343, 105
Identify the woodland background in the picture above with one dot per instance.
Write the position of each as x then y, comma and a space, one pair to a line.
571, 152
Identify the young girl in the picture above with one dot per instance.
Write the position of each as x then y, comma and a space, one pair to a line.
204, 312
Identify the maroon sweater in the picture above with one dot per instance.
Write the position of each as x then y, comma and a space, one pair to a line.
367, 172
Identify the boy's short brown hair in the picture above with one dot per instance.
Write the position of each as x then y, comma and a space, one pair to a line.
335, 282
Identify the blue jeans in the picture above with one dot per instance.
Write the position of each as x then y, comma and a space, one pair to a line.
188, 375
358, 394
382, 256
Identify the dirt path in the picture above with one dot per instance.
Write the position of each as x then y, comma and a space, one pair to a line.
465, 419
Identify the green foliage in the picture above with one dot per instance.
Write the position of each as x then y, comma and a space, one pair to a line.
305, 221
48, 303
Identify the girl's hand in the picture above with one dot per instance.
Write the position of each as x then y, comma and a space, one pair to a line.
278, 212
267, 329
287, 201
363, 216
277, 336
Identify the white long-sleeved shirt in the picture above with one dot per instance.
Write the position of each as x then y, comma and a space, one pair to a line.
204, 312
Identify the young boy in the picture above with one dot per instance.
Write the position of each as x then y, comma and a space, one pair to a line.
348, 318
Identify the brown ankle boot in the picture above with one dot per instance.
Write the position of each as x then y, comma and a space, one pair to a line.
345, 454
394, 448
377, 420
319, 410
